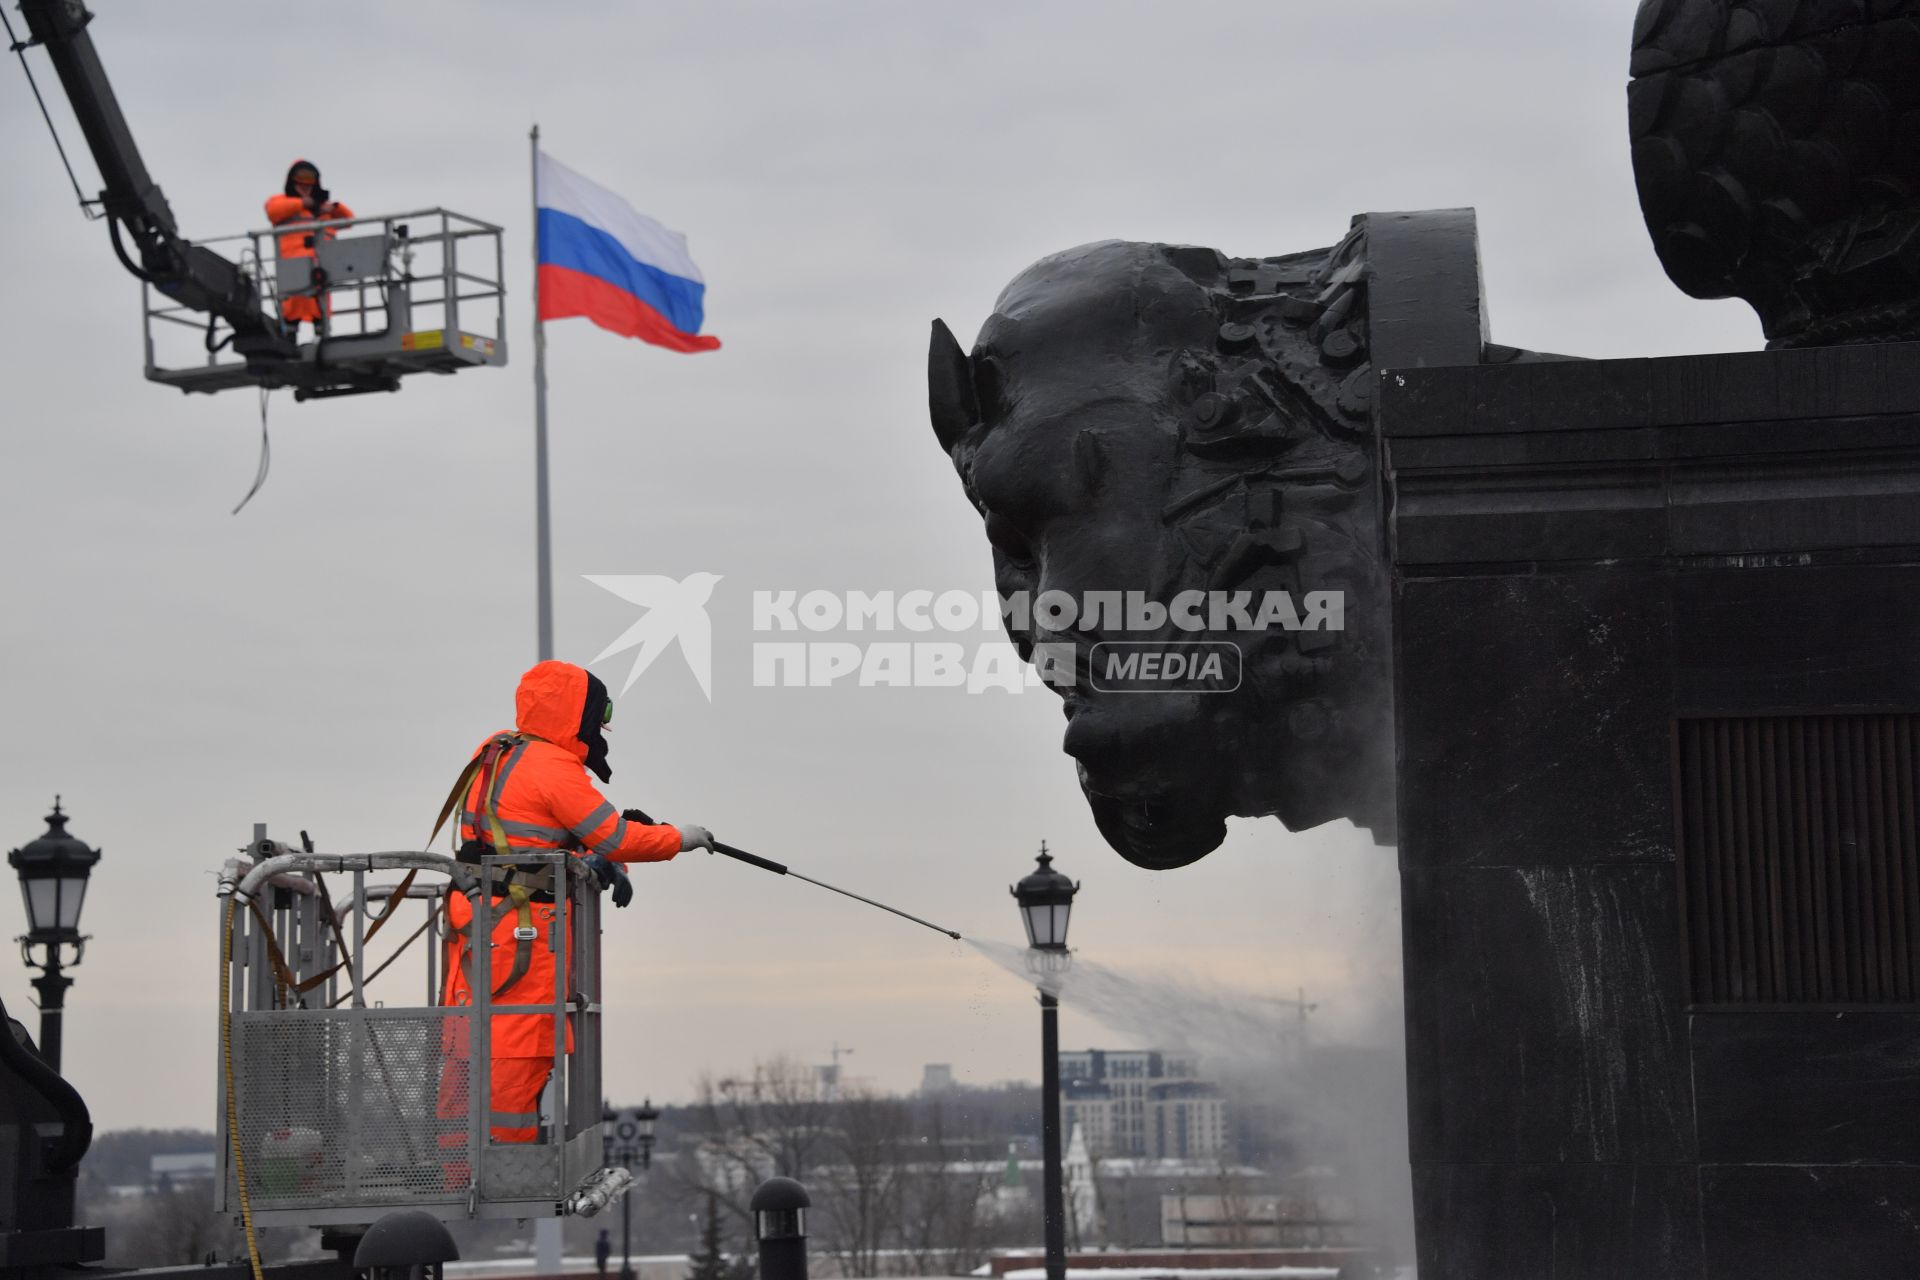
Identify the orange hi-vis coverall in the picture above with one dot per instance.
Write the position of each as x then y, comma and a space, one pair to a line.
297, 240
535, 787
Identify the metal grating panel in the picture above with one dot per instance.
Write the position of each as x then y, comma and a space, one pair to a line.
351, 1107
520, 1172
1800, 858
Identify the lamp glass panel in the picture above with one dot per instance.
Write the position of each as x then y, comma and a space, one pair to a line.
1060, 910
43, 903
1038, 920
70, 901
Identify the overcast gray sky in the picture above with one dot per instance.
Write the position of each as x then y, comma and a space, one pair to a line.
844, 173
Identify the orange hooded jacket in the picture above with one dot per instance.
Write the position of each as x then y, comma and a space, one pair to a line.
544, 801
297, 242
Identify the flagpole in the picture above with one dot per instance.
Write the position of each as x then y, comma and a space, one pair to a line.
549, 1240
543, 535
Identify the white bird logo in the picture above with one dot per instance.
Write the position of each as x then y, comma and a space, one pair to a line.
674, 611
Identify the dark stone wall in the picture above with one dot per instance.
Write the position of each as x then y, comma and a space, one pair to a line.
1582, 553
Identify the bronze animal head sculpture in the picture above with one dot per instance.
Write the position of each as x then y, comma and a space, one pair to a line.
1178, 446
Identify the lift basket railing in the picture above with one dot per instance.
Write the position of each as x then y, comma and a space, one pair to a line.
399, 293
357, 1090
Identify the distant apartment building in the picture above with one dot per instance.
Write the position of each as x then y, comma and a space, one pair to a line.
179, 1168
1143, 1103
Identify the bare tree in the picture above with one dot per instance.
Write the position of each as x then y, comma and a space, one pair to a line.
174, 1223
898, 1184
749, 1129
944, 1226
863, 1182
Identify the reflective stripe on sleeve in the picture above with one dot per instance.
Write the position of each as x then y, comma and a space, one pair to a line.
611, 844
592, 821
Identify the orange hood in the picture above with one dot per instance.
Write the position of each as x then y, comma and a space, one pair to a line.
549, 703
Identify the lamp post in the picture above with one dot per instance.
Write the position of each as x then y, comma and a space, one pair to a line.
53, 881
1046, 900
628, 1142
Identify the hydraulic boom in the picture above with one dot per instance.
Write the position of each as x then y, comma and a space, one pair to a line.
136, 210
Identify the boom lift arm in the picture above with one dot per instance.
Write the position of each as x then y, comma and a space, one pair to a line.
192, 275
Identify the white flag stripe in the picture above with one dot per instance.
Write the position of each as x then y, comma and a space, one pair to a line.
561, 189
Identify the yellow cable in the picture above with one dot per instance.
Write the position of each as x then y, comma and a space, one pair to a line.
233, 1105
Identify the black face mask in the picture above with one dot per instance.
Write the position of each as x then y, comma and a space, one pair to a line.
592, 722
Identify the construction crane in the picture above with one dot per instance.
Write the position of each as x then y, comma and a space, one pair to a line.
415, 292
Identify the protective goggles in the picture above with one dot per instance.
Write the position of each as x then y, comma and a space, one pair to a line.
606, 712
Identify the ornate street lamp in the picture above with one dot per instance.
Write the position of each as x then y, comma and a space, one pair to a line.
1046, 901
628, 1141
53, 874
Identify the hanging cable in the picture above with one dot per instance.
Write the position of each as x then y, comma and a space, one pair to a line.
20, 47
266, 452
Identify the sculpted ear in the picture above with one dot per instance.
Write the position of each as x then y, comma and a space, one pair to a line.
950, 396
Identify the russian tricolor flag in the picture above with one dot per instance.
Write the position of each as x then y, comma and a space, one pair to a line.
623, 271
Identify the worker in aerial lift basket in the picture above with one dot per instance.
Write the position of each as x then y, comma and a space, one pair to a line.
528, 791
303, 202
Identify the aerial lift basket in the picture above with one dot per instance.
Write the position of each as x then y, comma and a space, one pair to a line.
346, 1107
403, 293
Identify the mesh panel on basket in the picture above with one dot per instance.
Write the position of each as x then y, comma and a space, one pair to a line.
342, 1108
515, 1171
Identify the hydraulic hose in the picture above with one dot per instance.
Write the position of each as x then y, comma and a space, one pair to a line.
120, 250
233, 1103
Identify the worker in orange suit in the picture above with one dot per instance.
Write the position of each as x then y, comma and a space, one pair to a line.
303, 202
529, 792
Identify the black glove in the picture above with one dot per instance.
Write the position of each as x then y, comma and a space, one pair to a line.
610, 876
639, 816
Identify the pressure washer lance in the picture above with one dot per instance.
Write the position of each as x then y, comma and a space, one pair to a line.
780, 869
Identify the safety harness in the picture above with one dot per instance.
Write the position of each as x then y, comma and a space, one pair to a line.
522, 886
